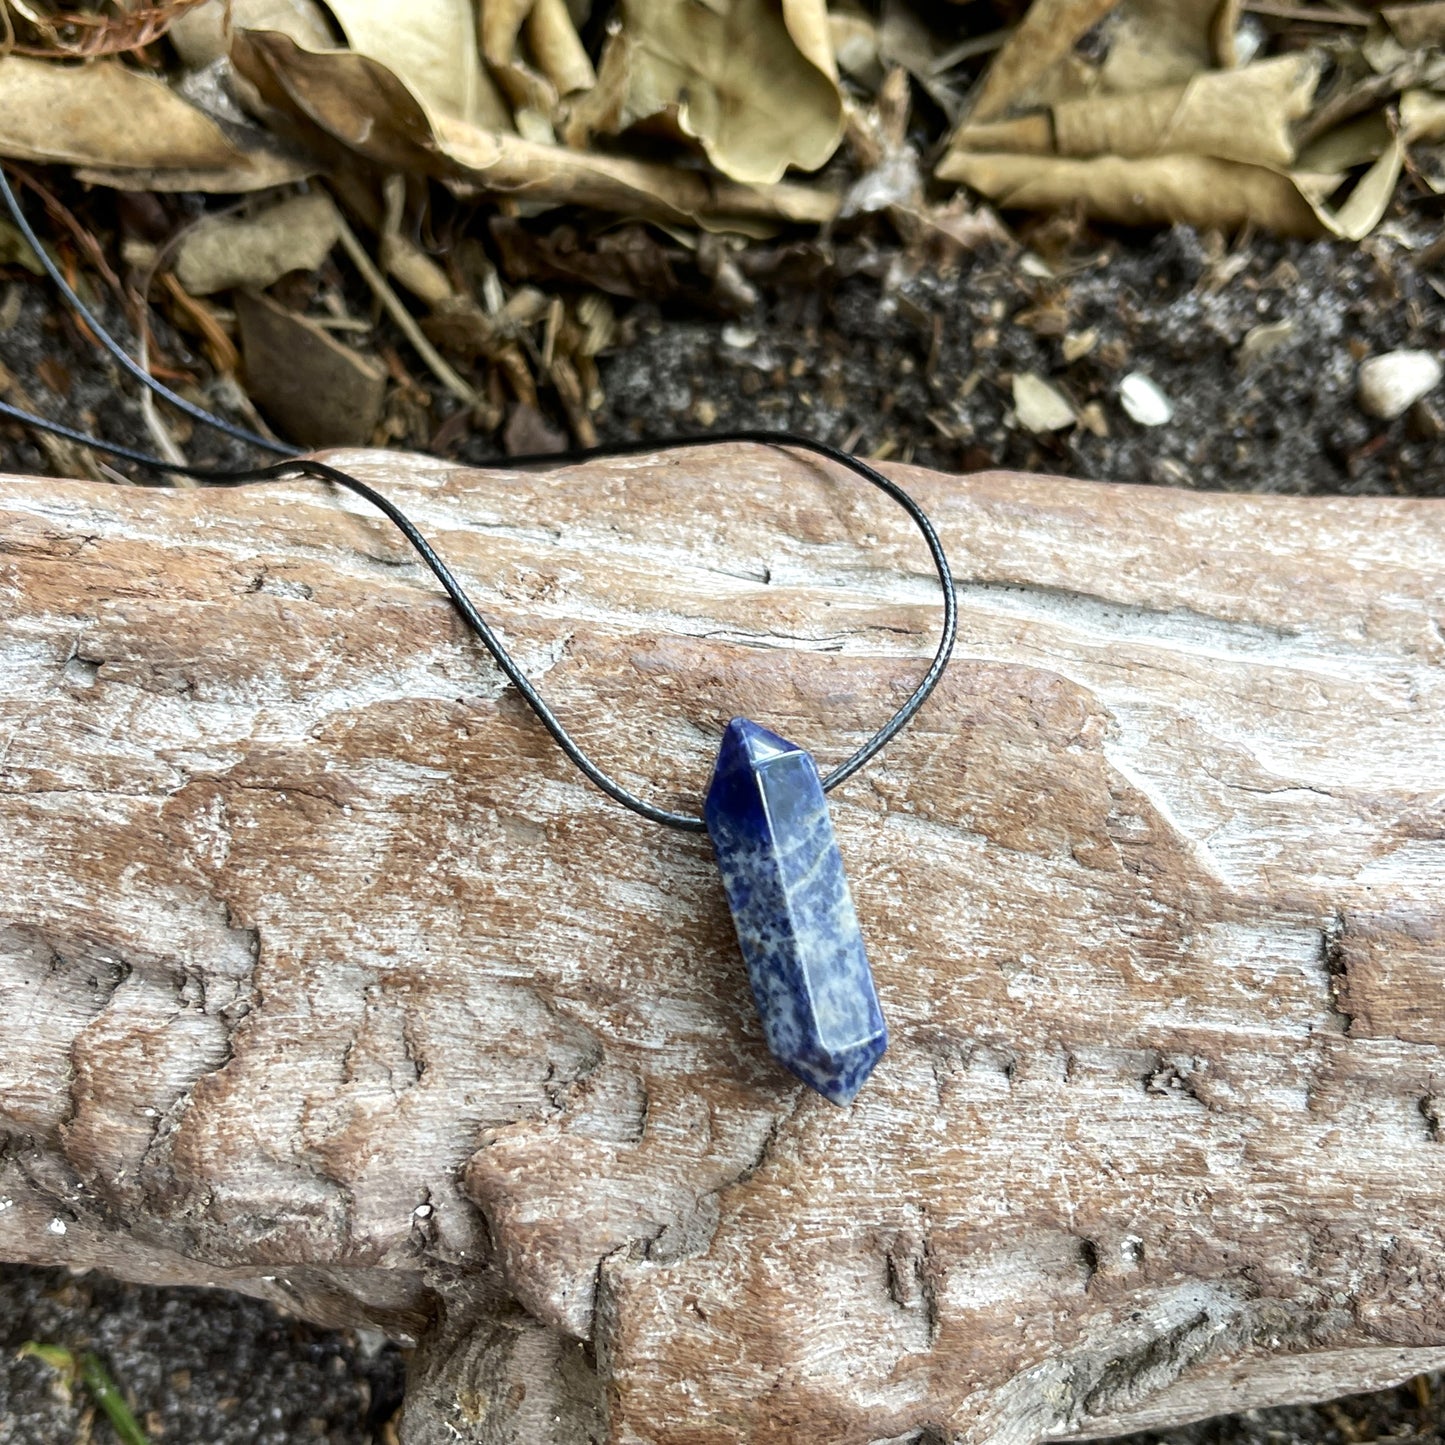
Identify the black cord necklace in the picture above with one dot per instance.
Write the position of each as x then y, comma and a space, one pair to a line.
765, 811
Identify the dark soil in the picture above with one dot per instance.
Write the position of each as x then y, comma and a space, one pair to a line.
865, 349
920, 366
199, 1367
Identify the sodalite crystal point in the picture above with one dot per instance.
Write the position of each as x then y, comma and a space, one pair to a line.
783, 875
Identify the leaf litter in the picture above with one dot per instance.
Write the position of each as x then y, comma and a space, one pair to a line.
443, 195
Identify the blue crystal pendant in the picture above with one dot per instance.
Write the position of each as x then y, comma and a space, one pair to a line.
783, 875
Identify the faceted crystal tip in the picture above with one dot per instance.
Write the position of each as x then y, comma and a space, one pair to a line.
783, 875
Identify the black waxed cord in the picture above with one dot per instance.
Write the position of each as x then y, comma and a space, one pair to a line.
297, 466
305, 466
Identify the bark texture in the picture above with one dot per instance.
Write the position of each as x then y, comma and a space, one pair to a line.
326, 977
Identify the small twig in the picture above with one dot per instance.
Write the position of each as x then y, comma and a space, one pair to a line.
222, 350
84, 238
371, 273
165, 443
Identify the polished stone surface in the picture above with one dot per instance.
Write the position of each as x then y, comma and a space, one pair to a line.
783, 875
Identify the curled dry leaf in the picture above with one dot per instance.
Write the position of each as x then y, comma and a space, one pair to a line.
1155, 43
1362, 209
344, 98
111, 119
1239, 115
1243, 115
562, 63
1151, 44
1200, 191
558, 48
753, 81
1215, 147
1155, 190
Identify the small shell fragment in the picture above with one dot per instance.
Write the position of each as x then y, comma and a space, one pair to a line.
1039, 406
1143, 401
1391, 384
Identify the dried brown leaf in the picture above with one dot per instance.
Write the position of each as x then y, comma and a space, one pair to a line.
558, 48
501, 27
222, 252
106, 116
1365, 206
1150, 44
360, 104
1247, 114
1044, 38
1199, 191
753, 81
1242, 115
1154, 43
431, 46
315, 389
1357, 143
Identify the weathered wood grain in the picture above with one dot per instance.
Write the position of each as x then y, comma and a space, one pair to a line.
324, 976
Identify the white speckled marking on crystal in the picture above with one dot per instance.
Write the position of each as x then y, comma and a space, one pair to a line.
796, 924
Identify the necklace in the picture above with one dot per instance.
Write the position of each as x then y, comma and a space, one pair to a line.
765, 811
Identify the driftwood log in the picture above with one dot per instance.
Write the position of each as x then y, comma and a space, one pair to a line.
327, 978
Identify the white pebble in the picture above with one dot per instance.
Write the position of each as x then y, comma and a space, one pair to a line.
1391, 384
57, 1226
1143, 401
1039, 406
